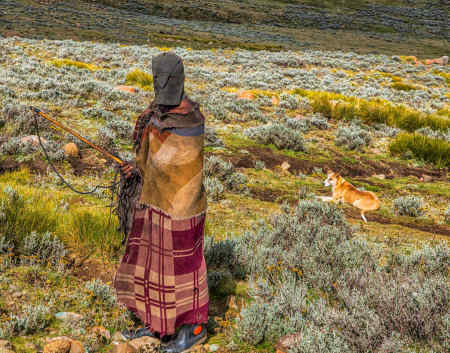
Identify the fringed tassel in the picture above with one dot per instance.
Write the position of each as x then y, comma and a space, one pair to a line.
128, 198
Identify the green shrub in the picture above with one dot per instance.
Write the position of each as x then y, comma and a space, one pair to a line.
141, 79
425, 148
220, 259
18, 219
211, 138
288, 101
353, 137
309, 251
43, 249
100, 292
401, 86
33, 318
315, 339
92, 229
447, 215
72, 63
279, 135
376, 111
214, 189
252, 324
411, 206
218, 172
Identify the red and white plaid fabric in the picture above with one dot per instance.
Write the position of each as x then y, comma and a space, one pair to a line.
162, 276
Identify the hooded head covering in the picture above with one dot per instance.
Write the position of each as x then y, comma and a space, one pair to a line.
168, 79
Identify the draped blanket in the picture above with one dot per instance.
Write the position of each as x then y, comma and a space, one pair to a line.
162, 276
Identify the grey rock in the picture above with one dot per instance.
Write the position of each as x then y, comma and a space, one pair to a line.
68, 316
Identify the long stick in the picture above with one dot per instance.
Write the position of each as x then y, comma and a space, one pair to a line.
77, 135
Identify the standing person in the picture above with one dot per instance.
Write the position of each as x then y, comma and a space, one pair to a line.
162, 276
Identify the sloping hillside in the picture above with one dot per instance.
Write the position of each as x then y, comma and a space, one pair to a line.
279, 260
419, 29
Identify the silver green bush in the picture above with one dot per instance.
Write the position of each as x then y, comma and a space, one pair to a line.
43, 249
214, 188
279, 135
411, 206
353, 137
101, 292
32, 319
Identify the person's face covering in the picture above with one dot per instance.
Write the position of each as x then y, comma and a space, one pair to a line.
168, 79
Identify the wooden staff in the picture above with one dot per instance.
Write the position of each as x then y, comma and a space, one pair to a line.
77, 135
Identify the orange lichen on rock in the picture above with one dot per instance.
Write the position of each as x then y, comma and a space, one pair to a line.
128, 89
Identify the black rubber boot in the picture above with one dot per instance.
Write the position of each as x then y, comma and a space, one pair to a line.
188, 337
133, 334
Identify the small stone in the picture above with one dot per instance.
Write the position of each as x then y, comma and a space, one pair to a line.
76, 347
426, 178
118, 337
32, 140
123, 348
71, 150
444, 60
58, 346
285, 166
214, 347
128, 89
68, 316
143, 341
379, 176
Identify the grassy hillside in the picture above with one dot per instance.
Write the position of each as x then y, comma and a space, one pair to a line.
276, 122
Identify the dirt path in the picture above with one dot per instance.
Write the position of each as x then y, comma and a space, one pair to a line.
277, 196
374, 217
341, 164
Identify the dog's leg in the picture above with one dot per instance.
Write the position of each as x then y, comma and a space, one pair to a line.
363, 217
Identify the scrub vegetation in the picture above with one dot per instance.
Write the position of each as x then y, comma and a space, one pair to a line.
280, 261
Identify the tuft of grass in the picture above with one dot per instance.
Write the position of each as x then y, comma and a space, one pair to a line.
73, 63
378, 111
445, 75
428, 149
401, 86
141, 79
25, 209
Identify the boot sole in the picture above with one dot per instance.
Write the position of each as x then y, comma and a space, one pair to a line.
196, 344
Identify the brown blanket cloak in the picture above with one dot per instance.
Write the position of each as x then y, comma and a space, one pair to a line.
162, 277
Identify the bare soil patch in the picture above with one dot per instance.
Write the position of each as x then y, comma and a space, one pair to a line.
36, 166
374, 217
278, 196
365, 167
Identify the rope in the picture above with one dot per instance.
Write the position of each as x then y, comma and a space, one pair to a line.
93, 191
127, 195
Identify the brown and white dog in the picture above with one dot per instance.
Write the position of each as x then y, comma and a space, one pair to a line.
343, 191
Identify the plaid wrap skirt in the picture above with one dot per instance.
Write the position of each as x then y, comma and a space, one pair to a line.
162, 277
